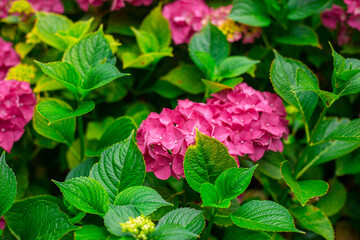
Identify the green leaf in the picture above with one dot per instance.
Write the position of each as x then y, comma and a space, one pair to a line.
42, 220
146, 41
80, 28
299, 35
89, 52
264, 216
235, 66
349, 164
64, 73
314, 219
331, 150
172, 232
61, 131
304, 82
283, 78
334, 200
86, 194
53, 111
211, 197
270, 164
101, 75
209, 40
251, 13
186, 77
91, 232
46, 27
191, 219
158, 26
131, 60
117, 215
118, 131
121, 166
205, 161
303, 190
7, 186
349, 132
145, 199
81, 170
302, 9
233, 182
245, 234
207, 64
214, 87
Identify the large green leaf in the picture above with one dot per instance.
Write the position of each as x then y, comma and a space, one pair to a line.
172, 232
348, 164
146, 41
90, 51
304, 82
42, 220
330, 150
236, 65
48, 24
205, 161
121, 166
301, 9
303, 190
233, 182
264, 216
270, 164
349, 132
283, 78
91, 232
119, 130
86, 194
214, 87
314, 219
186, 77
334, 200
64, 73
158, 26
117, 215
206, 64
300, 35
245, 234
145, 199
53, 111
7, 186
191, 219
61, 131
132, 60
81, 170
209, 40
251, 13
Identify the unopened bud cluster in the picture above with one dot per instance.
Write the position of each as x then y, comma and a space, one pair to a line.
141, 227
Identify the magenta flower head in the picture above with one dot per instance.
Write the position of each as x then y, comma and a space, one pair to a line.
4, 8
353, 6
2, 223
256, 120
164, 138
85, 4
55, 6
185, 18
118, 4
333, 17
17, 104
8, 58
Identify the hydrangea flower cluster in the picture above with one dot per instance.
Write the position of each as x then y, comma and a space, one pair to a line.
2, 223
336, 18
141, 227
55, 6
186, 17
116, 4
8, 57
17, 104
245, 120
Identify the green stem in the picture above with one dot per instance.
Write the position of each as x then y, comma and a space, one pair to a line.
266, 40
81, 137
209, 227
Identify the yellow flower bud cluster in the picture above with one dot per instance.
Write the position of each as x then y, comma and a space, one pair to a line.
141, 227
232, 30
21, 72
21, 6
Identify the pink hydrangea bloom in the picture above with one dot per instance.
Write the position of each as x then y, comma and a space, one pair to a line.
17, 104
245, 120
353, 6
2, 223
4, 8
55, 6
333, 16
185, 18
354, 21
85, 4
118, 4
8, 57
